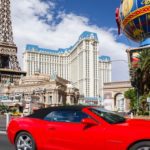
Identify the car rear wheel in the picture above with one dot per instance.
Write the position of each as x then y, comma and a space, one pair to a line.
145, 145
24, 141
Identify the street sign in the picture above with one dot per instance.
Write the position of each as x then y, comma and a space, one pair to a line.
148, 99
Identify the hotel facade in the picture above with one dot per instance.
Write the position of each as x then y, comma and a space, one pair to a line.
80, 64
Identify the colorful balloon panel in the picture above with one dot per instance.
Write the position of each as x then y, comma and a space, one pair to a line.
135, 19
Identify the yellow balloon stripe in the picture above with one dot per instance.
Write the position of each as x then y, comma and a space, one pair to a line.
126, 7
135, 14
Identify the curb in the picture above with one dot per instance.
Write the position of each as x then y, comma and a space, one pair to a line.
3, 132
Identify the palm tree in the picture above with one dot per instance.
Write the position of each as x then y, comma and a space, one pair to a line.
143, 72
140, 78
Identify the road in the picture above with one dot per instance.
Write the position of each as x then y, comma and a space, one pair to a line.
4, 143
2, 122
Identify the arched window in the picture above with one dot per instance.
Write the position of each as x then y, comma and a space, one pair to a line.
119, 102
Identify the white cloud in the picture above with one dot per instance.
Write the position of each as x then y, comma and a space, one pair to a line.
28, 28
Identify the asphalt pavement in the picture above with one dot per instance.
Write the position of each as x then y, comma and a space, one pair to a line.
2, 122
4, 143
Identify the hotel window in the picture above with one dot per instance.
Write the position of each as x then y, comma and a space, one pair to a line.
50, 100
87, 45
95, 46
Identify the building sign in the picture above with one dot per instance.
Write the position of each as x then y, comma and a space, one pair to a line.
89, 100
134, 58
4, 97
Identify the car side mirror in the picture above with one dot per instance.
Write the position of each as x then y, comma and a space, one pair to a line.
89, 121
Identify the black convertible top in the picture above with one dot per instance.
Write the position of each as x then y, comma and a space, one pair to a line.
41, 113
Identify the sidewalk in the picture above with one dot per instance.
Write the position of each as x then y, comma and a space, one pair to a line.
142, 117
3, 133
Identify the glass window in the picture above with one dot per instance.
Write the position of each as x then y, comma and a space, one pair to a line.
108, 116
66, 116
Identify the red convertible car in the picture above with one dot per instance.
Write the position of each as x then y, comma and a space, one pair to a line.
78, 128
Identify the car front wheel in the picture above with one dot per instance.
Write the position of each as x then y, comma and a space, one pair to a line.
24, 141
145, 145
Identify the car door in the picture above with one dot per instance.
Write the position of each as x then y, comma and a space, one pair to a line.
70, 134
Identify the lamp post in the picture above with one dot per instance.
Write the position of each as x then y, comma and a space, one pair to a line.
122, 60
99, 100
57, 88
44, 93
23, 101
70, 91
77, 94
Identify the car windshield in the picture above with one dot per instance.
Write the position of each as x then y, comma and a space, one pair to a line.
108, 116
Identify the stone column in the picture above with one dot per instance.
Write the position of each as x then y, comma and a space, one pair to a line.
68, 102
55, 97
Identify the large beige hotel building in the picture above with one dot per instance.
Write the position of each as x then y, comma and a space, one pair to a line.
80, 64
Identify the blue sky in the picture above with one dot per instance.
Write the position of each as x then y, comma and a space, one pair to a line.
57, 24
100, 13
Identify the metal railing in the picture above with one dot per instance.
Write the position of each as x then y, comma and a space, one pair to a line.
4, 120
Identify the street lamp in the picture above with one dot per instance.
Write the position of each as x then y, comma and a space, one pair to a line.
77, 94
44, 92
123, 60
99, 100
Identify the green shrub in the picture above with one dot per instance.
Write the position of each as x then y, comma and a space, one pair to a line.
146, 113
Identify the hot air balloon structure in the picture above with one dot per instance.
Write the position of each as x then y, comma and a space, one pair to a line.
133, 17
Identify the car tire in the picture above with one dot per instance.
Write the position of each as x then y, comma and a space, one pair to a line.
145, 145
24, 140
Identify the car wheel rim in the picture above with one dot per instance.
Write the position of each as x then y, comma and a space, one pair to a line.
24, 142
144, 148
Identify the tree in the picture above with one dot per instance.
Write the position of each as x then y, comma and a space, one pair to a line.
131, 95
143, 104
4, 108
143, 72
140, 80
